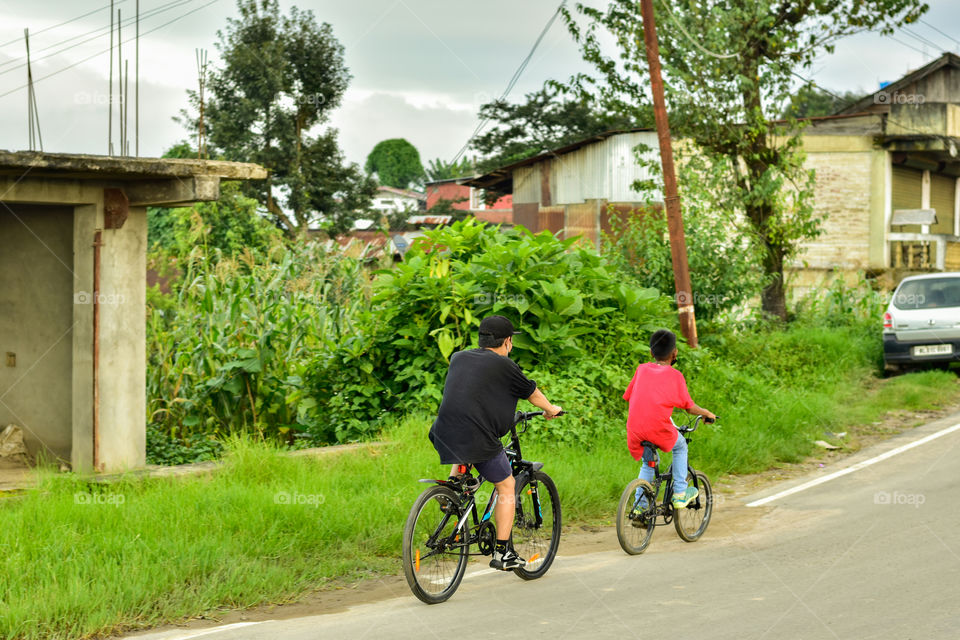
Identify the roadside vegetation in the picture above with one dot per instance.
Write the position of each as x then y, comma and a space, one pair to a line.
273, 349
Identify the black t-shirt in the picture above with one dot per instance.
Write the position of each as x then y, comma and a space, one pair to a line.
479, 401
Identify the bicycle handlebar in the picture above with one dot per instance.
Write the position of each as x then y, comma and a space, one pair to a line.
696, 423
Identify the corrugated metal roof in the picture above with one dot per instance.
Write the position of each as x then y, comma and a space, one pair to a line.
500, 179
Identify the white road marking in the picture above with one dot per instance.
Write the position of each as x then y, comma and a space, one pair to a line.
205, 632
856, 467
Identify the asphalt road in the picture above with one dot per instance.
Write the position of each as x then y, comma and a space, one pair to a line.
871, 554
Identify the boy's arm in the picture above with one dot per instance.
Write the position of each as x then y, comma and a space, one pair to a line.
697, 410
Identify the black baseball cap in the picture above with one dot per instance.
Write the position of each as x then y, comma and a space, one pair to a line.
497, 327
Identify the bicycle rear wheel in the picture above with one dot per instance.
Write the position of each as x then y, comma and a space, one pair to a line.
536, 529
432, 564
692, 520
635, 529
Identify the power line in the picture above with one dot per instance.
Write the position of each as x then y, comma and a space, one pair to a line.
98, 32
929, 43
89, 13
908, 45
513, 80
693, 40
100, 53
946, 35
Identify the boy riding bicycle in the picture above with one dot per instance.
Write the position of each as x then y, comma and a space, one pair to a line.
479, 401
653, 393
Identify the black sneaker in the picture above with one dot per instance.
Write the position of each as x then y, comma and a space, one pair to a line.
507, 560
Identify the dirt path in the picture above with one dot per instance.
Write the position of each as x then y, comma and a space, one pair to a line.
731, 520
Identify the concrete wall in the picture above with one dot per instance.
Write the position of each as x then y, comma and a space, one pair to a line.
851, 192
122, 303
36, 301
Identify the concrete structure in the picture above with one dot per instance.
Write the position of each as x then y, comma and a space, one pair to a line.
894, 151
463, 197
570, 190
73, 240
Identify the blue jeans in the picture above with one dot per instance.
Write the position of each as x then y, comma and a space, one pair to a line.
679, 463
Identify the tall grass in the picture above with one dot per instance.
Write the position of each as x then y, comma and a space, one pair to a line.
77, 559
229, 352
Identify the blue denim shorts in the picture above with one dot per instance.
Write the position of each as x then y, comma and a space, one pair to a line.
495, 469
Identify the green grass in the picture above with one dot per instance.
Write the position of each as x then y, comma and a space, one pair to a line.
72, 567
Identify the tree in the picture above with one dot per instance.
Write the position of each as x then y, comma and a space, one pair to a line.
545, 122
396, 163
722, 84
231, 223
810, 102
443, 170
281, 78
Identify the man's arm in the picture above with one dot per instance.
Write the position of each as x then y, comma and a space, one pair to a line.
540, 401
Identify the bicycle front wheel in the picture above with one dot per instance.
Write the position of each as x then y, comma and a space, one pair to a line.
536, 529
692, 520
434, 558
636, 518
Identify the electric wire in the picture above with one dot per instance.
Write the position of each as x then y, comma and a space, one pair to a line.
513, 80
100, 53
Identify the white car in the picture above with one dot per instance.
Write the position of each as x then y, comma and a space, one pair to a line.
922, 322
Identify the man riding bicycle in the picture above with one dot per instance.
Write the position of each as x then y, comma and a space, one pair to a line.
479, 401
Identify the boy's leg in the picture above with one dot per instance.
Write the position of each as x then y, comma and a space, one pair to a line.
646, 473
680, 466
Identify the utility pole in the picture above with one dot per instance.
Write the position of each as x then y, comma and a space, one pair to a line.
678, 243
110, 99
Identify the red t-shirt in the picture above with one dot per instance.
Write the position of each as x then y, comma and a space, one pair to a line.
653, 393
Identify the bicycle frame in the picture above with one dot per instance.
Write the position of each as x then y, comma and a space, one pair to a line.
665, 508
521, 469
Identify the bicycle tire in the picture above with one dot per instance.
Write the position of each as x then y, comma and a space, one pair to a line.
435, 581
537, 544
692, 520
635, 540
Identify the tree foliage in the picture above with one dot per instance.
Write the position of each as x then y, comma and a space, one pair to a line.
445, 170
545, 121
728, 67
281, 78
396, 163
811, 102
231, 224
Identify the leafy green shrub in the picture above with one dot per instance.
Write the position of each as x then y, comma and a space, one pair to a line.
583, 320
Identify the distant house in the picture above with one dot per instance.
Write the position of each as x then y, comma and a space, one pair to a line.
466, 198
570, 190
888, 178
887, 181
390, 200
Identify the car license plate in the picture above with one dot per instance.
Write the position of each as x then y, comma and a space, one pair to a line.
933, 350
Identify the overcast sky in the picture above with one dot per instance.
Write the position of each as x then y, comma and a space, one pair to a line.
421, 68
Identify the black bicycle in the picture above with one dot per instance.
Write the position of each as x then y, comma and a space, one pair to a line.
639, 510
444, 523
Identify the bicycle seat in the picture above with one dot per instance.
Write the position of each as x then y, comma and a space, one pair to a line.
646, 444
